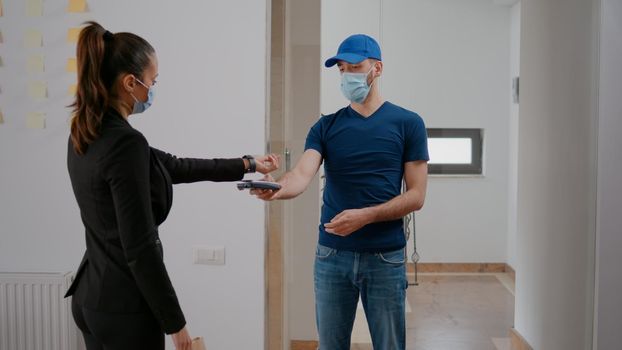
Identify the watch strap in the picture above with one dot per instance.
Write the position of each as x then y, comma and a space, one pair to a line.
252, 165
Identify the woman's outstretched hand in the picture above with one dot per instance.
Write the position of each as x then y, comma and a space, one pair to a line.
267, 164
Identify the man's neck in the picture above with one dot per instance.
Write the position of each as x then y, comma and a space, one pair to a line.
369, 106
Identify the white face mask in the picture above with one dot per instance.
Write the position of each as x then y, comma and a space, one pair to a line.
140, 106
354, 86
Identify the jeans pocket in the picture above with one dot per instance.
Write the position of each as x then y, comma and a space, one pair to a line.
395, 257
323, 252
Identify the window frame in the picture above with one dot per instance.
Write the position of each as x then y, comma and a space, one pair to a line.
476, 165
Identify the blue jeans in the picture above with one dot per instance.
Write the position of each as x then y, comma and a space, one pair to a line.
378, 278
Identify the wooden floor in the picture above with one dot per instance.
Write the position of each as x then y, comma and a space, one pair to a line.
454, 312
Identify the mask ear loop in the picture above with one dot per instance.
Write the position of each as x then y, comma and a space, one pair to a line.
132, 94
373, 79
136, 100
141, 83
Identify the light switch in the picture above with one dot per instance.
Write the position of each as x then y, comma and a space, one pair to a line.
204, 255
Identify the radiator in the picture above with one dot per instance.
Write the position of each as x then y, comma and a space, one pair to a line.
33, 313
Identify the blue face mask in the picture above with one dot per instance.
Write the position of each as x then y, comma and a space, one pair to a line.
140, 106
354, 86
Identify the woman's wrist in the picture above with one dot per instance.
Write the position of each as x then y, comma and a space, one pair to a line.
249, 164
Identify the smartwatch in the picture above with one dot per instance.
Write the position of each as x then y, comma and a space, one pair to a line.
252, 166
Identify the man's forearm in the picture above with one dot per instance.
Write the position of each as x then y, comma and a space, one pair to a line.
297, 180
351, 220
292, 185
398, 207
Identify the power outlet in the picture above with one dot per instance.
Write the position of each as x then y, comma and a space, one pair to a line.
209, 255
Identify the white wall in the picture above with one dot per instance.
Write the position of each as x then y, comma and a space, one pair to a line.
448, 60
556, 178
513, 136
210, 102
609, 222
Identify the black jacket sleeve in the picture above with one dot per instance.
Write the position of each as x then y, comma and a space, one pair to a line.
126, 169
187, 170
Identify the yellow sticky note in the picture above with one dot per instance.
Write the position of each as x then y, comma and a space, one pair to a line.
38, 89
33, 39
35, 120
77, 6
34, 8
72, 65
35, 64
73, 34
73, 88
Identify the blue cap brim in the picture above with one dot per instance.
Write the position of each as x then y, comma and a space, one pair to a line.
348, 57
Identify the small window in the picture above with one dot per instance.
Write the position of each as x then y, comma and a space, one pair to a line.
455, 151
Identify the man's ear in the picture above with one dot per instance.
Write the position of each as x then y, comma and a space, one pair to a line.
128, 81
378, 67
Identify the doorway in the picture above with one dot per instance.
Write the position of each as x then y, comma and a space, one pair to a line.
467, 75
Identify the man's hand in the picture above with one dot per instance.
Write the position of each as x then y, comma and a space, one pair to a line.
349, 221
266, 195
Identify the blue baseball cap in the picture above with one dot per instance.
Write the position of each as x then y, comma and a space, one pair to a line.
354, 49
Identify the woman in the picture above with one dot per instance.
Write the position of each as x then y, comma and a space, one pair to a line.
122, 295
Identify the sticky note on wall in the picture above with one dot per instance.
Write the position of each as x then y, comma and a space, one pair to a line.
33, 39
73, 88
73, 34
38, 89
77, 6
35, 64
72, 65
34, 8
35, 120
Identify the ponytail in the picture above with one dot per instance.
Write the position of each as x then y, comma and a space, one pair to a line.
101, 58
91, 95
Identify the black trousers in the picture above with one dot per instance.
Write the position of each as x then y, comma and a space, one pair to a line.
112, 331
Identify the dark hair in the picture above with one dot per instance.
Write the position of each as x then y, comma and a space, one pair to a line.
101, 58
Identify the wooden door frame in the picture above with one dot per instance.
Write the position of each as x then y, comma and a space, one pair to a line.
275, 122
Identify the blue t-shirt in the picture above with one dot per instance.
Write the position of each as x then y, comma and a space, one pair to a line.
364, 166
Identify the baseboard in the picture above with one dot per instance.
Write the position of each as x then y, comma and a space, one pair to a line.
304, 345
458, 267
510, 271
517, 341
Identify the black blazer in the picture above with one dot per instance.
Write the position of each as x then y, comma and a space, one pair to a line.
124, 191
